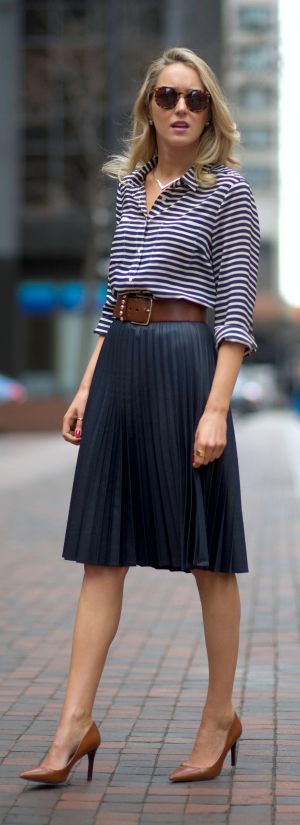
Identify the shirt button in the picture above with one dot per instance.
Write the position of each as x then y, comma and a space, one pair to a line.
130, 278
139, 250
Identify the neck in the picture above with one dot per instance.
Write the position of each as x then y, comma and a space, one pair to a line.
172, 163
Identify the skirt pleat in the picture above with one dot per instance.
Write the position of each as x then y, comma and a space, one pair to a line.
136, 498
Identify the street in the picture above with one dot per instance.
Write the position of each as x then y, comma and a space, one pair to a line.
149, 700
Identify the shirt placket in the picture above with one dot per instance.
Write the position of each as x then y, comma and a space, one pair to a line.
139, 196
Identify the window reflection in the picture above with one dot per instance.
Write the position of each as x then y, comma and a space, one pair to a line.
256, 97
257, 137
259, 177
256, 58
255, 16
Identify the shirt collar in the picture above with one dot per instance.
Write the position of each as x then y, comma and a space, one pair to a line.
139, 173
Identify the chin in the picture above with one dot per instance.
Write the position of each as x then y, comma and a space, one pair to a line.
181, 140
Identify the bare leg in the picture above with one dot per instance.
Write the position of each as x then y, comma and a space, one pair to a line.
97, 619
221, 609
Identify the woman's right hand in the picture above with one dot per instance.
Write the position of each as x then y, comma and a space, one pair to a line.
72, 421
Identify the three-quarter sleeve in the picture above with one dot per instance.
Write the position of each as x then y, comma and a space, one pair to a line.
106, 316
235, 258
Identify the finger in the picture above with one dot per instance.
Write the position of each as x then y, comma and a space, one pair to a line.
198, 460
217, 451
78, 428
69, 422
205, 458
79, 423
70, 431
72, 439
209, 455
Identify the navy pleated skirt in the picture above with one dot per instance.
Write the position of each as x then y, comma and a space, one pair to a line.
136, 498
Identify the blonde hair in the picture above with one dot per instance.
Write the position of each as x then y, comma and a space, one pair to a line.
217, 139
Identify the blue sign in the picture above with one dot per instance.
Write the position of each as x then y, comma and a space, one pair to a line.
40, 298
36, 298
71, 295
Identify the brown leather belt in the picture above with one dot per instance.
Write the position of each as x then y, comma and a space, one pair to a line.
141, 308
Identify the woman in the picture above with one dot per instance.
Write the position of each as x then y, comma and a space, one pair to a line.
157, 479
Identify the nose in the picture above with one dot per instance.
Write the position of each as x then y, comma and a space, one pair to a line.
181, 104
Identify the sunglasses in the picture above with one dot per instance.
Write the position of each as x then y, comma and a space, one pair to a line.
167, 98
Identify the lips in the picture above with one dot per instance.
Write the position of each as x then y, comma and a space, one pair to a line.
180, 124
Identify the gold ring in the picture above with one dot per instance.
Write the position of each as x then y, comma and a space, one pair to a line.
200, 453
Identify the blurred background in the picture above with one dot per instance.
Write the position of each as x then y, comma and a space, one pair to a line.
69, 73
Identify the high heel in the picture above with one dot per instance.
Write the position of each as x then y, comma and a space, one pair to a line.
190, 773
233, 755
91, 757
87, 747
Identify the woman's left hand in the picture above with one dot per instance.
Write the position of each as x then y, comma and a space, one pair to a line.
210, 437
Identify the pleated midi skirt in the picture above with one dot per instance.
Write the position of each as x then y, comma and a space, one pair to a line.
136, 497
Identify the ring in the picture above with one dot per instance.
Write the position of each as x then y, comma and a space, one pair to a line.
79, 419
200, 453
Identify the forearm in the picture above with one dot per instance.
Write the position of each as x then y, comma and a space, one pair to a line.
87, 377
229, 360
72, 423
210, 436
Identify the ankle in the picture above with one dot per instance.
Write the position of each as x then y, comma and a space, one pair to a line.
217, 717
75, 718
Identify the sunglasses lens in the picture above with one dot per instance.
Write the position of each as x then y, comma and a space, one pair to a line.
166, 97
197, 101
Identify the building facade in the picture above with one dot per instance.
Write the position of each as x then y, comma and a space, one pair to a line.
250, 50
69, 73
70, 70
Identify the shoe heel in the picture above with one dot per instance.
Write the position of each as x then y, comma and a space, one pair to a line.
233, 754
91, 757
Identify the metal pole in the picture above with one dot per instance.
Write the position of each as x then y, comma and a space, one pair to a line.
10, 176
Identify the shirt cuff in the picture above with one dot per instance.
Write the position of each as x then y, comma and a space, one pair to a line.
229, 332
105, 320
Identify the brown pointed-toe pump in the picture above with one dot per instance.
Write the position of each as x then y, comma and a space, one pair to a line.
87, 747
190, 773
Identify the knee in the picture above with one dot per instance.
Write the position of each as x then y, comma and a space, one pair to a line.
111, 574
202, 577
209, 578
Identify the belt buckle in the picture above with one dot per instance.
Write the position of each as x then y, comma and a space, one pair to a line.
148, 298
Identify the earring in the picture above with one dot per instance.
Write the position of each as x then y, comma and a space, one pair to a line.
150, 122
207, 124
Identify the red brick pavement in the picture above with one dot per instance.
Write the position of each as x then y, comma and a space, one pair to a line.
149, 702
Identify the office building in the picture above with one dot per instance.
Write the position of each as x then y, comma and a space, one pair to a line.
250, 55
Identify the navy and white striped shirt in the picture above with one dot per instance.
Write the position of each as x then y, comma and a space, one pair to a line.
198, 244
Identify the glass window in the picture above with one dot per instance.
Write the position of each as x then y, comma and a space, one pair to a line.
36, 180
36, 19
35, 131
256, 58
259, 177
256, 97
74, 21
36, 87
255, 17
75, 179
257, 137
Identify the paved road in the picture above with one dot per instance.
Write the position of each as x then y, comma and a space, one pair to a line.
149, 701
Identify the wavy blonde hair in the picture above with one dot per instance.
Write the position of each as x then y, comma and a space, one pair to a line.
217, 139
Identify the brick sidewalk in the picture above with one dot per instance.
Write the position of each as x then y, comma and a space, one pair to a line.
149, 701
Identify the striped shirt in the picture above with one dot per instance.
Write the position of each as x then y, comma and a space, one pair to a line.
198, 244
